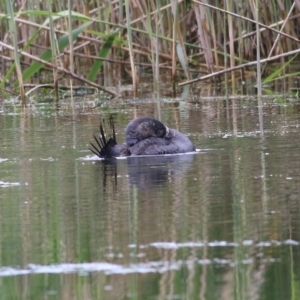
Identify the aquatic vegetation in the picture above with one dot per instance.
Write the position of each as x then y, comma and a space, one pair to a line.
100, 44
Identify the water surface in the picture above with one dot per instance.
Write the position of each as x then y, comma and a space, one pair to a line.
222, 223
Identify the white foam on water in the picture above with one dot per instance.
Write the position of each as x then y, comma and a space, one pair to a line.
8, 184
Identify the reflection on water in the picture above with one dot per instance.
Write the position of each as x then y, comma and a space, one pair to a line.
147, 267
222, 223
146, 172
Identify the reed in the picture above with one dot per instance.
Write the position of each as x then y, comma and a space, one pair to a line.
258, 64
13, 34
71, 60
183, 39
130, 46
54, 50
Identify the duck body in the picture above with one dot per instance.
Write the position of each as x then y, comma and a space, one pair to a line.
144, 136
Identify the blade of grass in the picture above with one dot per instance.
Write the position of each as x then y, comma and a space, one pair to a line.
183, 60
274, 75
57, 15
13, 31
63, 42
278, 36
67, 72
102, 54
54, 49
251, 63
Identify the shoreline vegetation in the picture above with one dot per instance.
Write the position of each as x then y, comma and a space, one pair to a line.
117, 40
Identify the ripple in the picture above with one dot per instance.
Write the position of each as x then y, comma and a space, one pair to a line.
8, 184
84, 269
174, 245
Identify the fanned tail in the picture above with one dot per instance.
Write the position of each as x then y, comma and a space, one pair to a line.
96, 150
104, 147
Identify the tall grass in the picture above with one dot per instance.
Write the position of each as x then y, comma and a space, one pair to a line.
130, 46
13, 33
105, 43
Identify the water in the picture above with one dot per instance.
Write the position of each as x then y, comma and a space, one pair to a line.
222, 223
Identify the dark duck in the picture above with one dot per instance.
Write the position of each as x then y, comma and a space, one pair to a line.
144, 136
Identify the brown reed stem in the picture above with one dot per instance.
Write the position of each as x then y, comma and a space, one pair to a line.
231, 44
239, 67
130, 46
247, 19
61, 70
278, 36
14, 36
174, 4
71, 67
258, 63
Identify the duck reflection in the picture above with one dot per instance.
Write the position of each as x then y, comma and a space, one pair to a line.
146, 172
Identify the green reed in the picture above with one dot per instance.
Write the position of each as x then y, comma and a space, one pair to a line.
187, 39
14, 37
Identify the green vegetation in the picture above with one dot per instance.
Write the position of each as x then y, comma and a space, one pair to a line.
105, 41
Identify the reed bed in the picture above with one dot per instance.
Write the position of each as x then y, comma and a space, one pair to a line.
104, 44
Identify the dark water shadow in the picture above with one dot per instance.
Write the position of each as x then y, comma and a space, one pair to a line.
149, 172
146, 172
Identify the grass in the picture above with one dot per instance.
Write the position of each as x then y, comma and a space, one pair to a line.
115, 40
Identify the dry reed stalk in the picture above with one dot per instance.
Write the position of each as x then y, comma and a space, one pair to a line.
14, 37
153, 44
147, 40
24, 21
213, 36
54, 49
114, 61
282, 27
248, 19
107, 13
180, 47
71, 60
131, 54
153, 36
165, 18
250, 33
258, 70
229, 6
258, 65
87, 50
174, 37
139, 5
159, 9
61, 69
120, 18
204, 37
249, 64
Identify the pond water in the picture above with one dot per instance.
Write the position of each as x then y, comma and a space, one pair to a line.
222, 223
